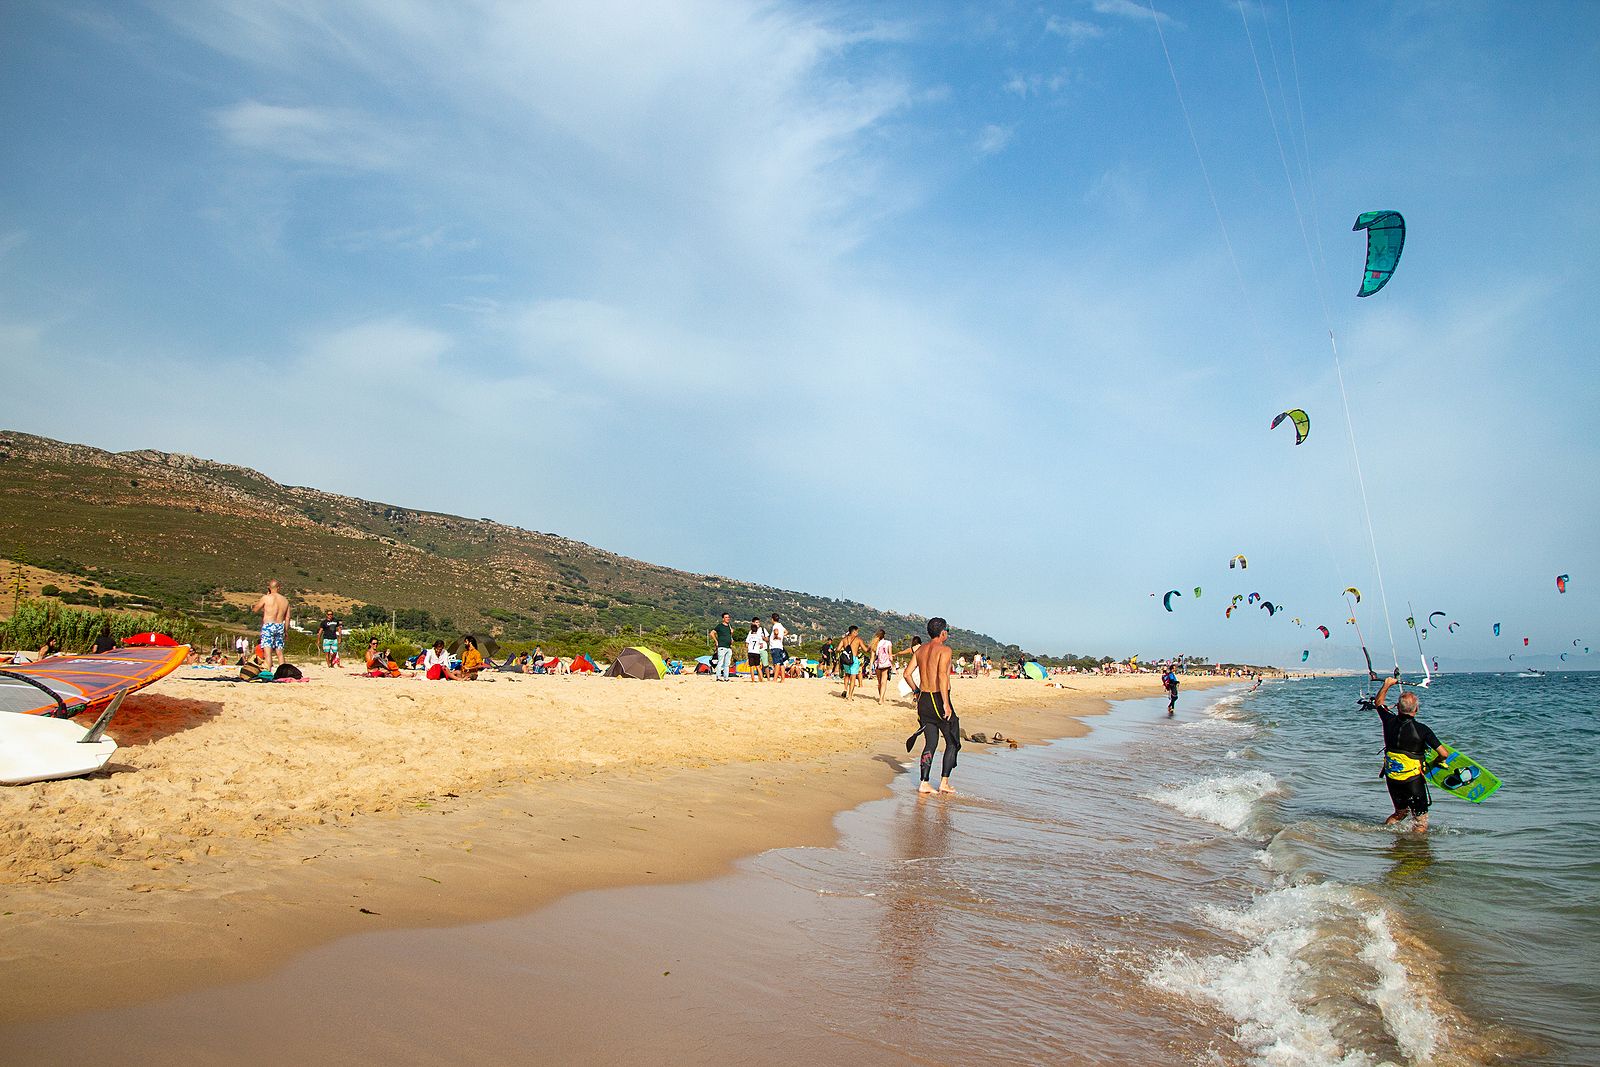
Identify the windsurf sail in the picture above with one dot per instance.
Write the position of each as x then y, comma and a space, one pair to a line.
64, 686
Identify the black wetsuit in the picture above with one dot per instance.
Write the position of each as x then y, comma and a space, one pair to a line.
932, 723
1404, 734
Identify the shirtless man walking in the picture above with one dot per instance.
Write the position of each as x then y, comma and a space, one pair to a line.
274, 612
936, 716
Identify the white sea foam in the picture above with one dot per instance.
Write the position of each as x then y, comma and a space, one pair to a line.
1272, 989
1405, 1015
1227, 801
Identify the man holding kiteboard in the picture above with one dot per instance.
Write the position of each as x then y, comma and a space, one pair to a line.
1409, 749
1169, 682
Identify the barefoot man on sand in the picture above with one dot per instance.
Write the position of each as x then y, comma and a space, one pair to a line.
936, 716
274, 611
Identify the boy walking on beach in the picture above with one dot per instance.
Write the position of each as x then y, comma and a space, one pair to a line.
722, 633
775, 646
755, 646
936, 716
274, 612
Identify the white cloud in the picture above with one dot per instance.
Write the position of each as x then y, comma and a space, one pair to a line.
1076, 31
1127, 9
1026, 85
994, 138
324, 136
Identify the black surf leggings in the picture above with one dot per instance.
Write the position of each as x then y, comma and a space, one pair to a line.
930, 741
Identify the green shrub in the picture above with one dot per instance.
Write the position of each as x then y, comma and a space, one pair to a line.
36, 621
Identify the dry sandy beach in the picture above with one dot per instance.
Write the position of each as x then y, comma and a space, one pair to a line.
240, 824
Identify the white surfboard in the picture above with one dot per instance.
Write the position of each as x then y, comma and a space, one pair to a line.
915, 682
38, 748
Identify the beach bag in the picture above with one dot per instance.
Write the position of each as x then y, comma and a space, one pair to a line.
435, 673
249, 672
287, 670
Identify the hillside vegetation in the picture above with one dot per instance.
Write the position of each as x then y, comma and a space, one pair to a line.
174, 533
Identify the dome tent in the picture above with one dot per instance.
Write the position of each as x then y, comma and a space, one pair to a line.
636, 663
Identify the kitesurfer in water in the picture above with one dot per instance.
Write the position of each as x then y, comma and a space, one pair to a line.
1409, 748
936, 717
1169, 681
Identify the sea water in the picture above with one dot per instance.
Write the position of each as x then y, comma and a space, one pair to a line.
1218, 888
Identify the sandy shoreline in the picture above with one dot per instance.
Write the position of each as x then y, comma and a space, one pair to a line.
241, 824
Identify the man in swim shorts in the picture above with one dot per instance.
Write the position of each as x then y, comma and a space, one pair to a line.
329, 630
274, 612
936, 716
1409, 749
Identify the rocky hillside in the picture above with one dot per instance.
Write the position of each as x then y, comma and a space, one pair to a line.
189, 534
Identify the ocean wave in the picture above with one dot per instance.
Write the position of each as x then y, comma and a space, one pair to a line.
1319, 983
1228, 801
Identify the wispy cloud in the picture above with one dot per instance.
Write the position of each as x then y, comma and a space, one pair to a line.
994, 138
1026, 85
1076, 31
324, 136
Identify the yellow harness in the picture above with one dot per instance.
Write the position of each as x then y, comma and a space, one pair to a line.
1399, 767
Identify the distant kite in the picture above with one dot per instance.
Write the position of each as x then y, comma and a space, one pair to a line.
1524, 642
1197, 592
1323, 630
1243, 563
1166, 601
1386, 236
1254, 597
1497, 629
1441, 615
1353, 591
1305, 654
1561, 582
1302, 424
1268, 607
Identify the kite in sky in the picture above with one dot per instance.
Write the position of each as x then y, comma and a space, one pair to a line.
1302, 424
1386, 236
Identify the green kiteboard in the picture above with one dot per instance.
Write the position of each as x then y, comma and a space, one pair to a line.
1465, 777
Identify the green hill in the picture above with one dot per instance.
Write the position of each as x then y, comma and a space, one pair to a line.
185, 534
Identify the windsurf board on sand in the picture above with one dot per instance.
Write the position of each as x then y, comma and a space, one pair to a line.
1465, 777
64, 686
39, 748
910, 681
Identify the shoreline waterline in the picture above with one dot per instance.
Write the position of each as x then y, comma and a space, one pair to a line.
118, 936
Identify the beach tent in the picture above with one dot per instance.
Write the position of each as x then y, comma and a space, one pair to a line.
1033, 670
636, 663
581, 665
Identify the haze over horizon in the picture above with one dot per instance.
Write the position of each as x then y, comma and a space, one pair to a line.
706, 284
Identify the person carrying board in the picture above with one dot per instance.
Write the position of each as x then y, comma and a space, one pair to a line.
1409, 747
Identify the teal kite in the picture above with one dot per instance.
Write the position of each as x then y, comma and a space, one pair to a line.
1497, 629
1302, 424
1386, 236
1305, 654
1166, 601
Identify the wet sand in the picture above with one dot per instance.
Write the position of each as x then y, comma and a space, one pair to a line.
243, 824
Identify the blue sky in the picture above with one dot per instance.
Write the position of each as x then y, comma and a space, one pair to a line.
925, 305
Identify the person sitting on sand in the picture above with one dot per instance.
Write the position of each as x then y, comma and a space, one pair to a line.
471, 659
105, 642
436, 663
936, 716
378, 662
